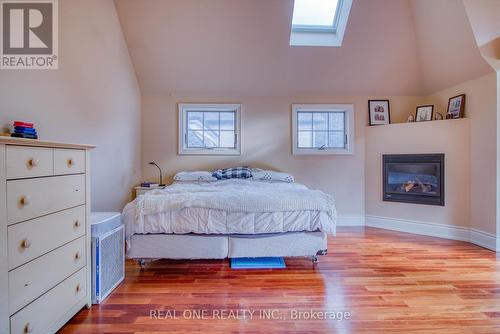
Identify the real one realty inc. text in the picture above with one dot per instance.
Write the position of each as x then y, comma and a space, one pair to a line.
248, 314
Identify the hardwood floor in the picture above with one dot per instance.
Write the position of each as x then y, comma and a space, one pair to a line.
389, 282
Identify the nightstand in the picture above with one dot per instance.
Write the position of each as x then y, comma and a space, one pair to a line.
142, 190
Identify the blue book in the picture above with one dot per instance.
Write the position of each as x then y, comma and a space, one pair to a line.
22, 129
25, 132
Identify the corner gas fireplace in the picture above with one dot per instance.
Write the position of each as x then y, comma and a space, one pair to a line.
414, 178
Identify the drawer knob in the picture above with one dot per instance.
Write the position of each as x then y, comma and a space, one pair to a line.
33, 162
26, 243
78, 287
77, 223
71, 162
24, 200
77, 256
28, 328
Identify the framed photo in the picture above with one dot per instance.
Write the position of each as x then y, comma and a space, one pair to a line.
424, 113
378, 112
456, 107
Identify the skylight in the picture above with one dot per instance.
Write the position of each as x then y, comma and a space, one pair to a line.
319, 22
314, 14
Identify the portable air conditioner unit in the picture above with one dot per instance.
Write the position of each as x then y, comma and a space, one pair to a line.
108, 254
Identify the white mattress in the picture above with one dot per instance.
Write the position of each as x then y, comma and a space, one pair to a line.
230, 207
212, 221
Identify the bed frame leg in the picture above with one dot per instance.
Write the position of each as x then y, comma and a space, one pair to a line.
142, 263
314, 259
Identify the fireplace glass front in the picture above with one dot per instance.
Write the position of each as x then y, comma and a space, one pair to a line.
414, 178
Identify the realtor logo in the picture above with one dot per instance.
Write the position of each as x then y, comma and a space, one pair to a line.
29, 34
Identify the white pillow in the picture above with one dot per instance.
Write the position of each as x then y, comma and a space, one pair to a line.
202, 176
270, 175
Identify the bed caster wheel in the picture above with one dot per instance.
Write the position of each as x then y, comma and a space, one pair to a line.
142, 263
314, 259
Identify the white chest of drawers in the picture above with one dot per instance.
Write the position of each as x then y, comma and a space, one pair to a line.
44, 234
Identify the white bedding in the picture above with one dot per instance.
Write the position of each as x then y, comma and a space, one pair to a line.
231, 206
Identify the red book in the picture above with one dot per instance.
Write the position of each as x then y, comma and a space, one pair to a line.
25, 124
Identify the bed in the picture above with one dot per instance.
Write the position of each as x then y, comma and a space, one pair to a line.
227, 219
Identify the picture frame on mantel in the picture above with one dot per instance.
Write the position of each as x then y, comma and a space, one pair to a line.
424, 113
456, 107
379, 112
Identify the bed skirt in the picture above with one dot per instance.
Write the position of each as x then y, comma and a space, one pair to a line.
199, 246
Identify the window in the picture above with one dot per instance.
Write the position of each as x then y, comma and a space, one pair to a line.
209, 129
315, 15
319, 22
323, 128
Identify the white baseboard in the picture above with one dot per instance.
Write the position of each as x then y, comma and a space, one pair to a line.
480, 238
484, 239
351, 220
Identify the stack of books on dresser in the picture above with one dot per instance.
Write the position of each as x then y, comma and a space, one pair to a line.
24, 130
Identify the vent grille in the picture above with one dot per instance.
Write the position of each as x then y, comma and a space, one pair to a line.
111, 260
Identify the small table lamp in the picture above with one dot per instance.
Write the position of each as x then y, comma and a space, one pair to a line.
161, 177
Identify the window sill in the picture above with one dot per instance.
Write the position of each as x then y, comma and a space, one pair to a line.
185, 151
299, 151
315, 39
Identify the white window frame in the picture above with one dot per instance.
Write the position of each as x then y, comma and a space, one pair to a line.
348, 109
206, 107
321, 36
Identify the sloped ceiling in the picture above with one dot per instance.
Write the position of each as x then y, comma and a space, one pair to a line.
446, 46
241, 47
484, 17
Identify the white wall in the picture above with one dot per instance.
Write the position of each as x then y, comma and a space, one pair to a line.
92, 98
481, 109
266, 142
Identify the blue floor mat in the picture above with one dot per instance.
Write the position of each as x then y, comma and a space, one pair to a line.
258, 263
